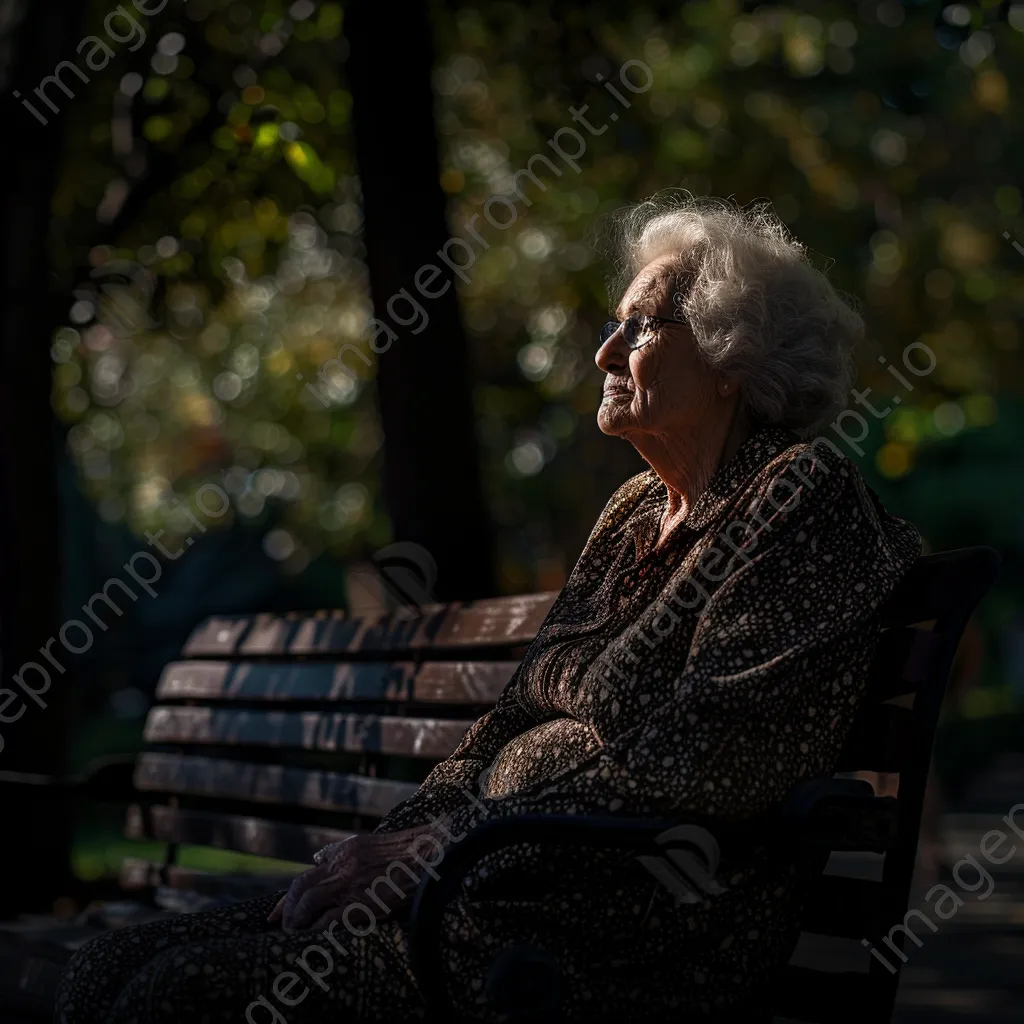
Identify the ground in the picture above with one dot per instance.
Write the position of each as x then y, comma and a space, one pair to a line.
972, 968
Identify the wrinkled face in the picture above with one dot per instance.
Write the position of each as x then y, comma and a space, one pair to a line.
664, 387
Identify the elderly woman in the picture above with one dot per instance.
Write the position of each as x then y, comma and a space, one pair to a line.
708, 652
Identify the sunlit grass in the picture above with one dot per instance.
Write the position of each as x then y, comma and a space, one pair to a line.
92, 859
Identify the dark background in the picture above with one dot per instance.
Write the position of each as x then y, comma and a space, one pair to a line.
208, 219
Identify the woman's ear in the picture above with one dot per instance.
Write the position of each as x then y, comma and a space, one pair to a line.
726, 387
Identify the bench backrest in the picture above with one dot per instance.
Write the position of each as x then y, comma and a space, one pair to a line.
835, 976
278, 734
275, 735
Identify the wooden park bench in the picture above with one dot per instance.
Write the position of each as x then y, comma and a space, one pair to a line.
275, 735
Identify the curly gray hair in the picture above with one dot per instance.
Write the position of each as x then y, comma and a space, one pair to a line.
757, 307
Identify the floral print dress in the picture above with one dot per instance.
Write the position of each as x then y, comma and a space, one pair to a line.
708, 674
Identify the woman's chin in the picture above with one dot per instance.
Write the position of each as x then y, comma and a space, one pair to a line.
614, 419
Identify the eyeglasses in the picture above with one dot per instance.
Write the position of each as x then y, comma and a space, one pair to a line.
635, 327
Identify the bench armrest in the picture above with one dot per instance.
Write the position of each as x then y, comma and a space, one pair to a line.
814, 818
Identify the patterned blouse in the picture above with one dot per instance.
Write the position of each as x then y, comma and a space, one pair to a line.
708, 674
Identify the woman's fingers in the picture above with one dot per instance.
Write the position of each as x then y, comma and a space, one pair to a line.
324, 896
307, 890
323, 893
303, 884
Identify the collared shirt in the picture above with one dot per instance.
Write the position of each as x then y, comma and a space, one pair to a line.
708, 674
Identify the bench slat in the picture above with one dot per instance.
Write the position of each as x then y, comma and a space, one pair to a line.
283, 681
401, 631
329, 633
504, 621
269, 634
279, 840
439, 682
261, 783
492, 622
143, 874
307, 730
462, 682
219, 634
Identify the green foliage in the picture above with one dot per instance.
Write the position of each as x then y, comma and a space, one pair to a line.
211, 191
886, 136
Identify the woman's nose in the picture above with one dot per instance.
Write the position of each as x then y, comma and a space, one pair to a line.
613, 355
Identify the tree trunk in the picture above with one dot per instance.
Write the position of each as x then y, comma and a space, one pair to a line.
432, 479
34, 856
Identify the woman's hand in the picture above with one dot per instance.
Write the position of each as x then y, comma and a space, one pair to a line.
347, 870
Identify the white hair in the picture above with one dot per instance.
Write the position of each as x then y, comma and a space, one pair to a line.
758, 309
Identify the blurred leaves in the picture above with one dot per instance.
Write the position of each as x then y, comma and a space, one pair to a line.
885, 135
210, 193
